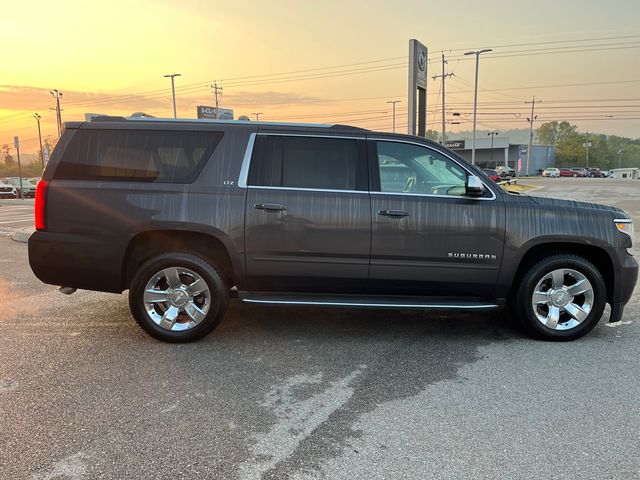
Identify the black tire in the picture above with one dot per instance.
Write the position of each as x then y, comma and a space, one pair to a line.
218, 296
525, 290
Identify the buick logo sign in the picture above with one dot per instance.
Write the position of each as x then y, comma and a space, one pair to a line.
422, 60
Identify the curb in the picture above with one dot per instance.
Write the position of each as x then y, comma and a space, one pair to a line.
22, 235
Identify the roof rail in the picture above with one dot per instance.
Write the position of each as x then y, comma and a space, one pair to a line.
114, 118
107, 118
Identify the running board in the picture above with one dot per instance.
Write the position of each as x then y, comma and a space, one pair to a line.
375, 301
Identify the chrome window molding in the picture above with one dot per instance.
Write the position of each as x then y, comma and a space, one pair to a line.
304, 189
244, 169
493, 194
246, 161
432, 195
312, 135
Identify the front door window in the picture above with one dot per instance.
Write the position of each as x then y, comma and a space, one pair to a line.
408, 168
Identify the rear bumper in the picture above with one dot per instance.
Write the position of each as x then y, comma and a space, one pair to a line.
78, 261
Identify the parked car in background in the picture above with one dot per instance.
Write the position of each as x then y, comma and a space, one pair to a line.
551, 172
596, 173
28, 188
581, 171
606, 173
505, 171
492, 174
8, 191
566, 172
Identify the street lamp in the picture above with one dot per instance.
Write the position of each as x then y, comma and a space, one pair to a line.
619, 157
38, 117
393, 103
475, 100
257, 114
492, 134
173, 90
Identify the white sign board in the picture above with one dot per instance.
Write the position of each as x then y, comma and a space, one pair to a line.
212, 113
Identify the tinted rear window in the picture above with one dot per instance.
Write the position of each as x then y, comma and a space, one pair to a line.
305, 162
136, 155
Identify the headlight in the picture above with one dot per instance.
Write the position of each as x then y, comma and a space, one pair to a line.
625, 225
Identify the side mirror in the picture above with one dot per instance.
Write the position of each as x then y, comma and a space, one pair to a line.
474, 187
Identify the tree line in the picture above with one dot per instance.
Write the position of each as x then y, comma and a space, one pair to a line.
605, 151
31, 164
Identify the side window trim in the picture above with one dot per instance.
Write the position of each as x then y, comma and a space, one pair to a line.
361, 159
374, 173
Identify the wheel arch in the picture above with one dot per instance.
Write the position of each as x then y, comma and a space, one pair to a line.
149, 243
597, 255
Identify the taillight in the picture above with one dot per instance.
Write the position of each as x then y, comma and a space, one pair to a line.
41, 193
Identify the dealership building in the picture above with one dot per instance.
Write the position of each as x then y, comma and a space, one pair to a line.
502, 152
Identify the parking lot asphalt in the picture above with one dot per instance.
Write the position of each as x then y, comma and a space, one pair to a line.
302, 393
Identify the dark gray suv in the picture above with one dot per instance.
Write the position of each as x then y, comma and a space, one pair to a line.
181, 211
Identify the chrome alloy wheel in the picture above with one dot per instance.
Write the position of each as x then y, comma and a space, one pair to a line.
562, 299
177, 298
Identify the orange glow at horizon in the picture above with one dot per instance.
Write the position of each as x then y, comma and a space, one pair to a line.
111, 58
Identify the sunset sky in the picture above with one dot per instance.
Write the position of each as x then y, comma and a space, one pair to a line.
311, 61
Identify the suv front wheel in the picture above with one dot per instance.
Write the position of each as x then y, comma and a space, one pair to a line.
562, 297
178, 297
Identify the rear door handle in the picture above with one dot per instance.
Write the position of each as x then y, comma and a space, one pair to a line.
393, 213
269, 206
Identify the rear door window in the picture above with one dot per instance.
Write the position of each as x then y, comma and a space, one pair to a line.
136, 155
319, 163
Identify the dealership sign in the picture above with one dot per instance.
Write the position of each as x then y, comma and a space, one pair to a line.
454, 144
214, 113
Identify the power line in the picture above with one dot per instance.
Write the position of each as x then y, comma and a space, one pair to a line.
550, 42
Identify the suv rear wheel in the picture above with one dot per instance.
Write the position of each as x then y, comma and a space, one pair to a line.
178, 297
562, 297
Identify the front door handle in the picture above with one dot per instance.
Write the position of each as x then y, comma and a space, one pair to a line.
393, 213
273, 207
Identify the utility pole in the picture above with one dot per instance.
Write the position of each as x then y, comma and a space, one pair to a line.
217, 93
475, 101
393, 103
37, 117
173, 90
443, 76
530, 120
257, 114
492, 134
57, 95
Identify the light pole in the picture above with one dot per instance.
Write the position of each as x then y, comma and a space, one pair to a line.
475, 101
173, 90
587, 144
38, 117
619, 158
57, 95
257, 114
393, 103
492, 134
